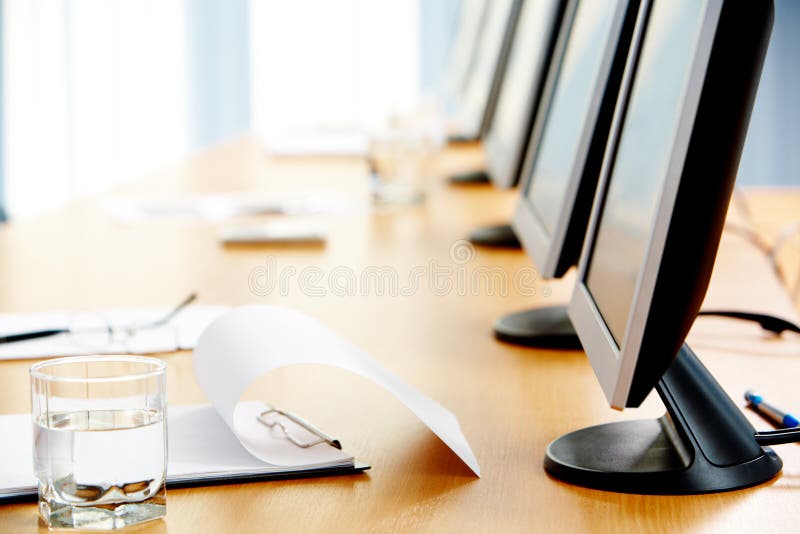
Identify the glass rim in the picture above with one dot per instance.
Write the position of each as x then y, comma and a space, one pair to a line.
159, 366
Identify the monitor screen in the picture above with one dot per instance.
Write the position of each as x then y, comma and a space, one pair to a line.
569, 111
643, 155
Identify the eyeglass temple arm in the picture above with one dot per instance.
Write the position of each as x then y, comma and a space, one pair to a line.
167, 318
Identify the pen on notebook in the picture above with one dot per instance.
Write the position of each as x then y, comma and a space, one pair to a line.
778, 417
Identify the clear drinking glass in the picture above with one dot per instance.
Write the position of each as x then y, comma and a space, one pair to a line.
400, 156
100, 440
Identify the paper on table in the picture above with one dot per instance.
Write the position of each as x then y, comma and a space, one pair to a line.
247, 342
224, 206
188, 325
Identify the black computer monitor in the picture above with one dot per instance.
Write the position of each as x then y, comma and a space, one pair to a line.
521, 89
463, 49
513, 110
667, 178
476, 101
565, 152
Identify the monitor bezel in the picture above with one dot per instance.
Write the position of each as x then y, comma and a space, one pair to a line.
681, 243
502, 169
548, 251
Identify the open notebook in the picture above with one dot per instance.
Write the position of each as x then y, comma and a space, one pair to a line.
202, 450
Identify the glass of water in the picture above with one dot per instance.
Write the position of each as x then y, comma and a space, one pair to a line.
100, 440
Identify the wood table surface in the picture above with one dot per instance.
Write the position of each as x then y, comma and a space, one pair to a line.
511, 401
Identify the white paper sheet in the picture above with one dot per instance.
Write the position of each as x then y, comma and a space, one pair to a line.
248, 342
183, 334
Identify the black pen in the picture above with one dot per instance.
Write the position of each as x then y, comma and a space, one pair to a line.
35, 334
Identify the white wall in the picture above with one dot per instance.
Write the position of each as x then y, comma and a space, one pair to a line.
772, 149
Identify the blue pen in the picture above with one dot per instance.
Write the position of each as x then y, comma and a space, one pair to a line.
780, 418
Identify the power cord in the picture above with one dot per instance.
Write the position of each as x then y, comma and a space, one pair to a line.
770, 323
778, 437
790, 431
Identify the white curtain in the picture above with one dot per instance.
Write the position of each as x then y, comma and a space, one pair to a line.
95, 92
100, 91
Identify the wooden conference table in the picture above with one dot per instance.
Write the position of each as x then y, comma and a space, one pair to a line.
511, 401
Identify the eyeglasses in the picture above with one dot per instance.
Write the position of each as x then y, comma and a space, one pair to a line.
270, 419
98, 332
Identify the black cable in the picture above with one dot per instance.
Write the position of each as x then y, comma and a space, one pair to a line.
778, 437
769, 323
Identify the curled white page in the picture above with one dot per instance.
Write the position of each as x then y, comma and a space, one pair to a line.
247, 342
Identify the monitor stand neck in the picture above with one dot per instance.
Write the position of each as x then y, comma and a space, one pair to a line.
702, 444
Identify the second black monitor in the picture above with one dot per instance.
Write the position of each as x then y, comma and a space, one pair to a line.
566, 149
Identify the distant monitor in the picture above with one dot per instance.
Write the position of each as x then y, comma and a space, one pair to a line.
667, 178
521, 88
564, 157
476, 101
463, 48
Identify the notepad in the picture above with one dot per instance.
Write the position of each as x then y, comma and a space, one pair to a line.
201, 450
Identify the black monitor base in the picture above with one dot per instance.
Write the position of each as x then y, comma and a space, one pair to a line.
470, 178
703, 444
547, 327
462, 139
500, 236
